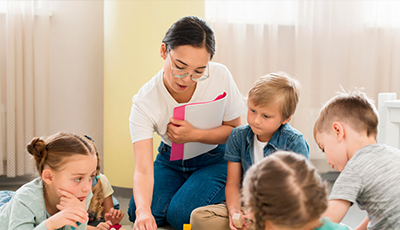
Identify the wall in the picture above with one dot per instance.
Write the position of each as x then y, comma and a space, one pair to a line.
133, 31
76, 68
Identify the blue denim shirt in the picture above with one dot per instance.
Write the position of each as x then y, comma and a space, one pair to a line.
239, 147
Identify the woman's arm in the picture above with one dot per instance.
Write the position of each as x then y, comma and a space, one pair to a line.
182, 131
143, 181
232, 190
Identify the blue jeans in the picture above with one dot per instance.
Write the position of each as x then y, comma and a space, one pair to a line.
5, 197
182, 186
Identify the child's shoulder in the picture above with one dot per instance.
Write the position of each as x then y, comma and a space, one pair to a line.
30, 190
289, 130
241, 130
239, 135
104, 179
288, 133
375, 156
377, 151
29, 196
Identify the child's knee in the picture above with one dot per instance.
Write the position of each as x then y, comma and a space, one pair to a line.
198, 215
210, 217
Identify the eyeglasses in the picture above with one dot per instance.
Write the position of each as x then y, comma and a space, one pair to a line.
178, 73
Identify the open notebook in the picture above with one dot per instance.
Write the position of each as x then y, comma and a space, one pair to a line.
201, 115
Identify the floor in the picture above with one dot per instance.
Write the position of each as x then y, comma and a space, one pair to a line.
125, 221
352, 219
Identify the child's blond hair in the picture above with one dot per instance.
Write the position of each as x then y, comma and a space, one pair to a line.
285, 190
275, 87
352, 107
96, 203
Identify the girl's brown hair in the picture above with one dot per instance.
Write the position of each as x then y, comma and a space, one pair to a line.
284, 189
55, 150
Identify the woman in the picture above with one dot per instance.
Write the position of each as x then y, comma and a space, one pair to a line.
170, 190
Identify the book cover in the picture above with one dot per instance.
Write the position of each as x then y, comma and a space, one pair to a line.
201, 115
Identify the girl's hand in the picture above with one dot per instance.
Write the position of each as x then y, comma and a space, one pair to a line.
180, 132
247, 220
67, 199
104, 225
68, 216
144, 221
114, 216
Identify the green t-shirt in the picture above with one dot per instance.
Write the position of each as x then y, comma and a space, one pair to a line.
27, 211
327, 224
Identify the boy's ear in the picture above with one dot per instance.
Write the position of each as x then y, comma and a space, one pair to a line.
47, 176
287, 120
338, 130
163, 51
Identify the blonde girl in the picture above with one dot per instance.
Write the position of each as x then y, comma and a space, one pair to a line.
284, 191
59, 197
103, 209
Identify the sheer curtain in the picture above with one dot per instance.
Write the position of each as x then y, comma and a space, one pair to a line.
324, 44
24, 58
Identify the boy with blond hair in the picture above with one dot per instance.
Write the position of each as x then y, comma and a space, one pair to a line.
346, 130
271, 103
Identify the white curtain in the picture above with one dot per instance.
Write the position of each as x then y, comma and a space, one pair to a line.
324, 44
24, 58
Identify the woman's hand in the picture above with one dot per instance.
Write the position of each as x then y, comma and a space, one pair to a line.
144, 221
114, 216
180, 132
67, 199
104, 225
68, 216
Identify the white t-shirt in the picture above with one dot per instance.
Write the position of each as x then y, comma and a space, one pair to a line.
153, 105
258, 149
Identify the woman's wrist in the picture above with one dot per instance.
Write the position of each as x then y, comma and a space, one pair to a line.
198, 135
143, 210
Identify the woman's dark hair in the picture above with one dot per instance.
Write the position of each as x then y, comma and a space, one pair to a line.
191, 30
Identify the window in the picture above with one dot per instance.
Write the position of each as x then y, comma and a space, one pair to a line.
252, 12
370, 13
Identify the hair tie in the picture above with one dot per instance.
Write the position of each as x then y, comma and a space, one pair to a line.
98, 177
88, 138
77, 223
